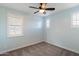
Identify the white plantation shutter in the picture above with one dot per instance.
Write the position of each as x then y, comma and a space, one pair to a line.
75, 20
15, 25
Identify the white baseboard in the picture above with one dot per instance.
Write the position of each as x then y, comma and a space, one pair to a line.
63, 47
2, 52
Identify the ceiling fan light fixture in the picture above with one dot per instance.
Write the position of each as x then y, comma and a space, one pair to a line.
41, 11
42, 8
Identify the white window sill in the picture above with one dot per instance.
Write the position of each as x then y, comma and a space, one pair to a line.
15, 36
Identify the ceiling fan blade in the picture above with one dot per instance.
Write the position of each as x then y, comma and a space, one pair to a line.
36, 12
50, 9
33, 7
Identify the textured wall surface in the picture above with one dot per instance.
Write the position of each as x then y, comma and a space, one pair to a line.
61, 31
32, 31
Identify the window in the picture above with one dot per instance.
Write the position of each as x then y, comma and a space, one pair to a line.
75, 20
47, 23
15, 25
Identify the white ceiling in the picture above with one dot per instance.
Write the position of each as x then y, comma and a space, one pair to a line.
25, 6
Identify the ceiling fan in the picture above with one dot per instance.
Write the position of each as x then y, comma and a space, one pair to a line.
42, 8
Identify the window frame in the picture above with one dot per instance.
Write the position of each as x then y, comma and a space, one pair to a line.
17, 16
75, 20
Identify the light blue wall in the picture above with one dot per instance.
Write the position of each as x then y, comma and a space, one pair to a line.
2, 29
61, 32
32, 33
